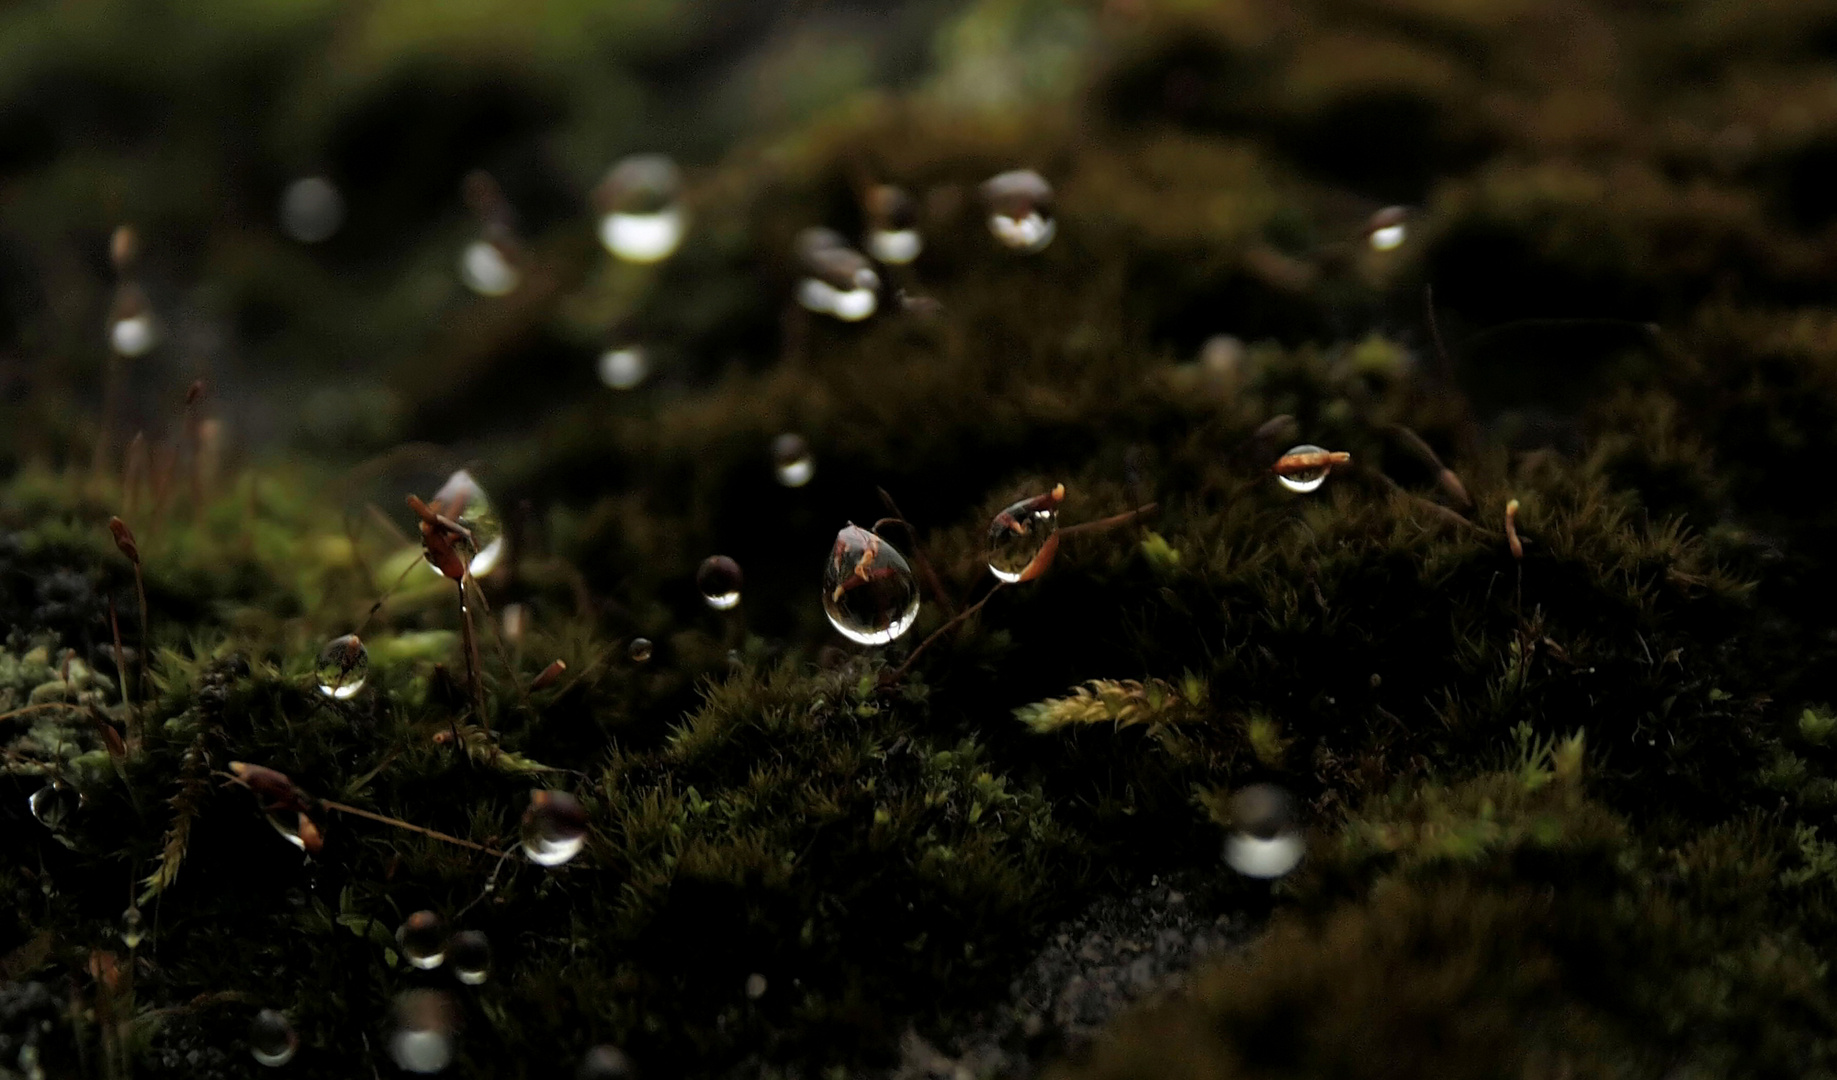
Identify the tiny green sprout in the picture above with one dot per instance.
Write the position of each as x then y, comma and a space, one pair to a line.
1816, 725
1266, 740
1161, 555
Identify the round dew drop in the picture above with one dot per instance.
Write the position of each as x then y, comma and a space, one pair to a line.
53, 804
1020, 210
642, 218
311, 210
1266, 839
133, 928
487, 270
343, 665
271, 1038
554, 828
869, 592
792, 460
640, 650
132, 336
470, 954
719, 581
1308, 479
422, 940
624, 368
422, 1041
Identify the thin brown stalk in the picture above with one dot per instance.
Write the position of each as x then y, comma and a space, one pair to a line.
1113, 521
400, 824
899, 672
932, 581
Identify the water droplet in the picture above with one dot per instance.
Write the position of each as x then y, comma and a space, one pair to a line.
755, 986
839, 280
1386, 231
642, 219
1020, 210
422, 939
792, 460
554, 828
297, 829
1266, 839
271, 1038
133, 335
514, 621
892, 226
422, 1041
470, 954
463, 501
605, 1063
133, 928
869, 592
1023, 537
640, 650
488, 270
54, 804
719, 580
311, 210
624, 368
1305, 477
343, 663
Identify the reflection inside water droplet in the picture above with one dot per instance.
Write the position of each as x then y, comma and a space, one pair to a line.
554, 828
343, 664
422, 1041
1304, 480
1019, 534
869, 593
487, 270
422, 939
271, 1038
719, 580
792, 460
624, 368
311, 210
470, 954
640, 650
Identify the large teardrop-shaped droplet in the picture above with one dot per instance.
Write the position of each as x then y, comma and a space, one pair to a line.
1024, 537
869, 592
462, 501
1265, 841
343, 664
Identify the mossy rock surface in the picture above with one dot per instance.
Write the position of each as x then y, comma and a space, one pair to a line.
1565, 782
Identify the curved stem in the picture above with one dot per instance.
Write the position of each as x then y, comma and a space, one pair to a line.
400, 824
1113, 521
901, 670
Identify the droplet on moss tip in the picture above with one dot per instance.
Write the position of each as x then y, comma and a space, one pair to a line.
869, 593
343, 665
1023, 536
1304, 468
462, 501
